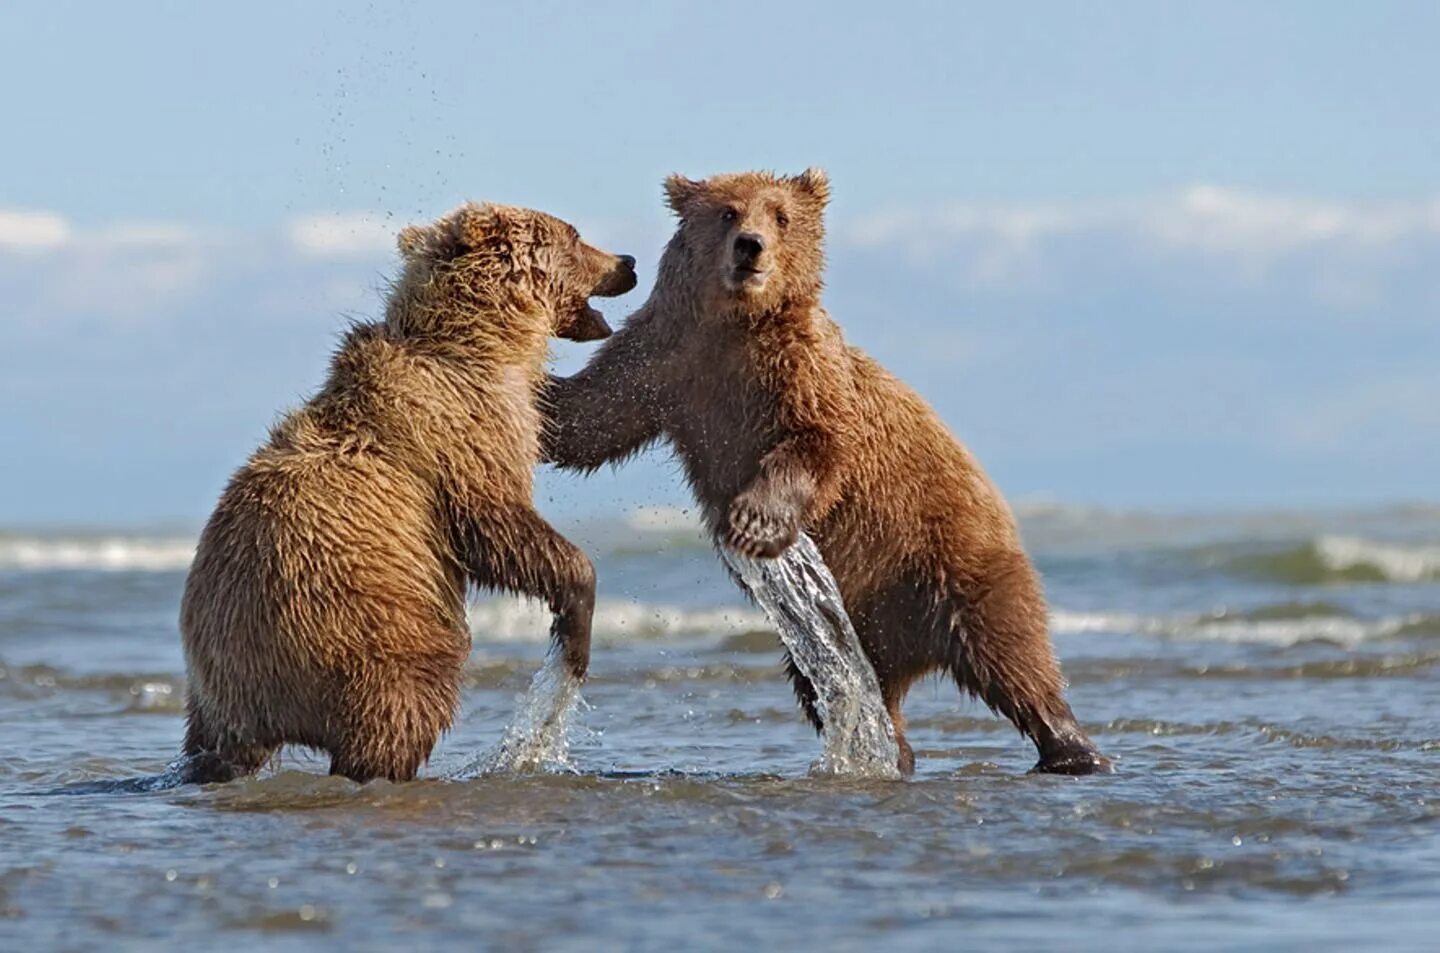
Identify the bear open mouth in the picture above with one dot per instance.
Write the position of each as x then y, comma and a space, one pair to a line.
587, 325
590, 324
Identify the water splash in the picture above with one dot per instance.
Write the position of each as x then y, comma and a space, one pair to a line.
800, 596
537, 738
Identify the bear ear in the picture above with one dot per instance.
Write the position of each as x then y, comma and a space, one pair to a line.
680, 193
474, 225
813, 182
413, 240
450, 236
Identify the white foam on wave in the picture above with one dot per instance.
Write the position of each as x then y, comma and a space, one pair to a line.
1342, 630
101, 553
616, 620
1395, 561
663, 519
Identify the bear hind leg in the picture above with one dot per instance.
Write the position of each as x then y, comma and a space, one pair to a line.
1003, 656
390, 724
215, 757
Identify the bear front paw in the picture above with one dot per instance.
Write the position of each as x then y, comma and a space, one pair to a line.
760, 532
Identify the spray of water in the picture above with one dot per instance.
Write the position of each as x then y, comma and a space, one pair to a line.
537, 738
801, 598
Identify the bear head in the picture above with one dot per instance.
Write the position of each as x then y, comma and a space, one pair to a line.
485, 255
755, 240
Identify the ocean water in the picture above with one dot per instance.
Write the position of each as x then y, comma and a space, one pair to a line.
1268, 684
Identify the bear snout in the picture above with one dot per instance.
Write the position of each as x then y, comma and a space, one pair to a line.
619, 280
749, 246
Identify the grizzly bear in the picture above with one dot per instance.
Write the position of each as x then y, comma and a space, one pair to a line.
325, 606
782, 427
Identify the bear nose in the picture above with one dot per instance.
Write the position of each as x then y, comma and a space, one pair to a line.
628, 261
748, 245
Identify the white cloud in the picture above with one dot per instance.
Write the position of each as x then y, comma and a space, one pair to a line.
121, 272
1215, 219
32, 231
1000, 243
341, 235
132, 272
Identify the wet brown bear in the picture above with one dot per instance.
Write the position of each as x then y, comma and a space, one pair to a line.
781, 427
325, 606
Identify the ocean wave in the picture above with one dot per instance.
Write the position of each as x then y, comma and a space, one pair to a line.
1260, 627
98, 553
645, 530
743, 629
1054, 526
1398, 563
1331, 560
663, 519
616, 620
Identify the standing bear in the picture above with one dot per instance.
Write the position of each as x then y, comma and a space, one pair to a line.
325, 606
782, 427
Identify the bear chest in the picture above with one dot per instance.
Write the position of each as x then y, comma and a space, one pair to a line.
725, 424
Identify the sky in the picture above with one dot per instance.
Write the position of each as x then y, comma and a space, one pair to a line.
1137, 254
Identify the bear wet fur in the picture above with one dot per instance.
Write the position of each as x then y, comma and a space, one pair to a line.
781, 426
325, 606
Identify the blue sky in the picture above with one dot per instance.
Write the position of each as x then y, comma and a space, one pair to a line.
1137, 254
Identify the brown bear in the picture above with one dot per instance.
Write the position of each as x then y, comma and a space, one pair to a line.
325, 606
782, 427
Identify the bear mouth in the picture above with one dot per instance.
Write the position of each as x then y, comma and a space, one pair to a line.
600, 327
587, 325
748, 278
590, 324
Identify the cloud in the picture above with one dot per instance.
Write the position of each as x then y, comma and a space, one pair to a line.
57, 273
54, 271
32, 231
341, 235
1226, 221
1250, 234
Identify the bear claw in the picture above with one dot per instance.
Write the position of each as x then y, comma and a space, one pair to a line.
758, 534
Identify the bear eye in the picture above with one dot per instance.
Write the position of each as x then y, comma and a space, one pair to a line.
729, 215
781, 218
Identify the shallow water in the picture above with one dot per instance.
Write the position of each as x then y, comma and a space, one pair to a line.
1266, 682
